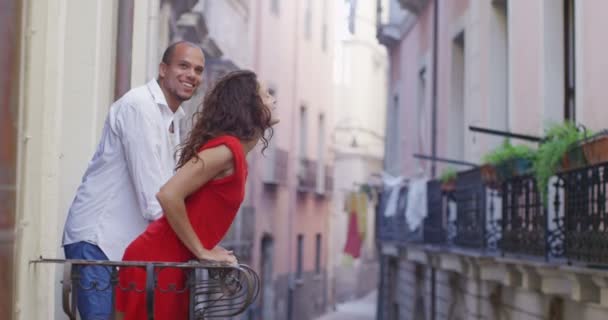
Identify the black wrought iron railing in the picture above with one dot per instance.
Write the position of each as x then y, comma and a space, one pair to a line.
585, 214
393, 226
307, 175
434, 227
469, 227
213, 290
569, 226
524, 218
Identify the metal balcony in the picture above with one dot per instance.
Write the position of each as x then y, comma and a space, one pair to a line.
307, 175
214, 290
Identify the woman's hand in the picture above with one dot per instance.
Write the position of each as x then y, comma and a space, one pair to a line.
219, 254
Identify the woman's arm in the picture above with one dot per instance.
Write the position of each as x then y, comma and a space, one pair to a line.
187, 180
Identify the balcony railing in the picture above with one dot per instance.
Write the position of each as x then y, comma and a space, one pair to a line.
469, 227
213, 290
307, 175
436, 223
585, 220
329, 179
275, 171
523, 223
394, 228
570, 226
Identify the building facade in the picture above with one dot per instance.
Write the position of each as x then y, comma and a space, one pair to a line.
66, 63
69, 61
291, 190
361, 66
506, 65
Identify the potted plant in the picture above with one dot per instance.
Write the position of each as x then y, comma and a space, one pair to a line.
506, 161
558, 151
489, 176
595, 148
448, 179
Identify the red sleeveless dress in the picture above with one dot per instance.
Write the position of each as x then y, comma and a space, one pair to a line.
211, 210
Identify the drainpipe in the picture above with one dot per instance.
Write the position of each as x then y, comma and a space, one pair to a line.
124, 48
434, 139
434, 94
152, 39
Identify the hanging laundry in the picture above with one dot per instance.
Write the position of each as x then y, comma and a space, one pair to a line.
392, 186
357, 202
353, 240
416, 203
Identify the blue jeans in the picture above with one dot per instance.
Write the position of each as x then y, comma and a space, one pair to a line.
94, 303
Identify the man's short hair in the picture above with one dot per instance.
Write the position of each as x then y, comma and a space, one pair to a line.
168, 54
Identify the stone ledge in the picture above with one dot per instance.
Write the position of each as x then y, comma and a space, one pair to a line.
577, 283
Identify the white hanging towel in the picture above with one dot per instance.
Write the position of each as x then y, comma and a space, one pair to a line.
392, 185
416, 203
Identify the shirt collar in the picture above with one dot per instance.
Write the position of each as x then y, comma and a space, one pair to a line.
159, 98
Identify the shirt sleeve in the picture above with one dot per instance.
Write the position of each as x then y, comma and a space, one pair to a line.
139, 139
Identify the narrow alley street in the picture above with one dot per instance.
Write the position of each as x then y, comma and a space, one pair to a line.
361, 309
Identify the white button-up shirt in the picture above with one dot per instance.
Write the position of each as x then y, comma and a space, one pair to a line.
135, 157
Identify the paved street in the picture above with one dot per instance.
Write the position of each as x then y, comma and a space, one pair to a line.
362, 309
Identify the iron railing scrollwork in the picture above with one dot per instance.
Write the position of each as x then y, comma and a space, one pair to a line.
494, 220
524, 217
436, 222
470, 199
214, 290
585, 215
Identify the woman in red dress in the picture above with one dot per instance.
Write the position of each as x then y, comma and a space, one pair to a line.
201, 200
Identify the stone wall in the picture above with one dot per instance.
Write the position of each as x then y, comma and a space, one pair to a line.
478, 289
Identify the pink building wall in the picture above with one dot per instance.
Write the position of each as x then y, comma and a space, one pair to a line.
533, 95
525, 40
407, 59
300, 73
592, 63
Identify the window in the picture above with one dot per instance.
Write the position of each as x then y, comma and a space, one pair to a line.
499, 69
570, 62
308, 20
321, 156
352, 10
303, 132
422, 117
299, 271
318, 254
392, 132
456, 127
304, 174
274, 7
270, 173
324, 27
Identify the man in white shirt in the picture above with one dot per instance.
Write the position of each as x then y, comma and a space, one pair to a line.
135, 157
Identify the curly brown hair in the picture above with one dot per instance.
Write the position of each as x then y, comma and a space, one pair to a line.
232, 107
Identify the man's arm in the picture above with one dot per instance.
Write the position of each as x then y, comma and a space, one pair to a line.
140, 144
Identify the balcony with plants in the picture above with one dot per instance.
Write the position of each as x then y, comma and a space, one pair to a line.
544, 204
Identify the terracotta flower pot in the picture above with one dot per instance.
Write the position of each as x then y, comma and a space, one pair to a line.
448, 186
596, 150
574, 158
489, 176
